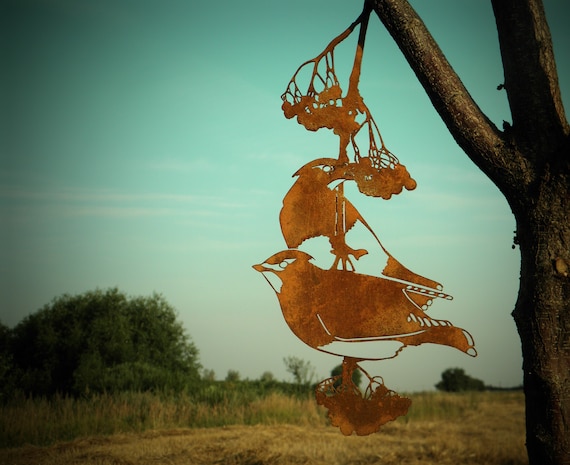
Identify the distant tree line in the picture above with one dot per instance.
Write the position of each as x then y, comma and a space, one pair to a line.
456, 380
105, 341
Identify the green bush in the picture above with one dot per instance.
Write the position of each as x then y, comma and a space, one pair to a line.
7, 384
102, 341
455, 380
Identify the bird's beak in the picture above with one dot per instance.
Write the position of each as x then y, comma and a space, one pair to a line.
260, 268
273, 280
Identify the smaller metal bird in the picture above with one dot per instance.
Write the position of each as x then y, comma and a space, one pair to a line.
313, 208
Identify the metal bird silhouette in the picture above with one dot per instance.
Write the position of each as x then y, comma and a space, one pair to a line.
311, 208
331, 310
316, 206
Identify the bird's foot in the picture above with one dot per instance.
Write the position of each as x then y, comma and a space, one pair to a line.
343, 253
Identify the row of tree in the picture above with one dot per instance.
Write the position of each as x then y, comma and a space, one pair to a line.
104, 341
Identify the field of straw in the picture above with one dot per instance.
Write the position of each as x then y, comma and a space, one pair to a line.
468, 429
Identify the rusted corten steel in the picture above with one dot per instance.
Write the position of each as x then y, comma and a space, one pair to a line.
337, 310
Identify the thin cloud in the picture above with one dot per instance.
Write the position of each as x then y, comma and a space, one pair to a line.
195, 165
86, 202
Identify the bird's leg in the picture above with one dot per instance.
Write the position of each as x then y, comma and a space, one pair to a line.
338, 241
342, 251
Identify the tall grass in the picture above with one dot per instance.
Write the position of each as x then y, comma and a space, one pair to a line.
431, 406
42, 421
45, 421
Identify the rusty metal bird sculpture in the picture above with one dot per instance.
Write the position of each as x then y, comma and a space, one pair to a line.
332, 309
338, 310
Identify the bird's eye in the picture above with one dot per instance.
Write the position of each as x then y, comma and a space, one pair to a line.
283, 264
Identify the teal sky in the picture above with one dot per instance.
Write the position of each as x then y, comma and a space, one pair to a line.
143, 146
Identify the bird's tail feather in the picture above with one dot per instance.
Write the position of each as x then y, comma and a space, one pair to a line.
394, 269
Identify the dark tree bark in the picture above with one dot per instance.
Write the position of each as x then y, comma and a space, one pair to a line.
529, 161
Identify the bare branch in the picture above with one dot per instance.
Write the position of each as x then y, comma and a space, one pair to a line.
487, 147
531, 79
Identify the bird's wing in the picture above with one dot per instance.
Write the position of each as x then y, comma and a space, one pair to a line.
419, 289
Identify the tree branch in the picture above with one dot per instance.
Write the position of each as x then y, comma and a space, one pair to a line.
487, 147
531, 79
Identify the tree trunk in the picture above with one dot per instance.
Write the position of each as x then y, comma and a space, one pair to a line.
542, 315
530, 163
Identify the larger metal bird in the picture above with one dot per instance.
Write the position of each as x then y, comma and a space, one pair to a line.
340, 311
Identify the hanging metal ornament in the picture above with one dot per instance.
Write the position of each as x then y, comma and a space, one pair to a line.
338, 310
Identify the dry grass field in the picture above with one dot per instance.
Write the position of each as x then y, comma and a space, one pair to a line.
468, 429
